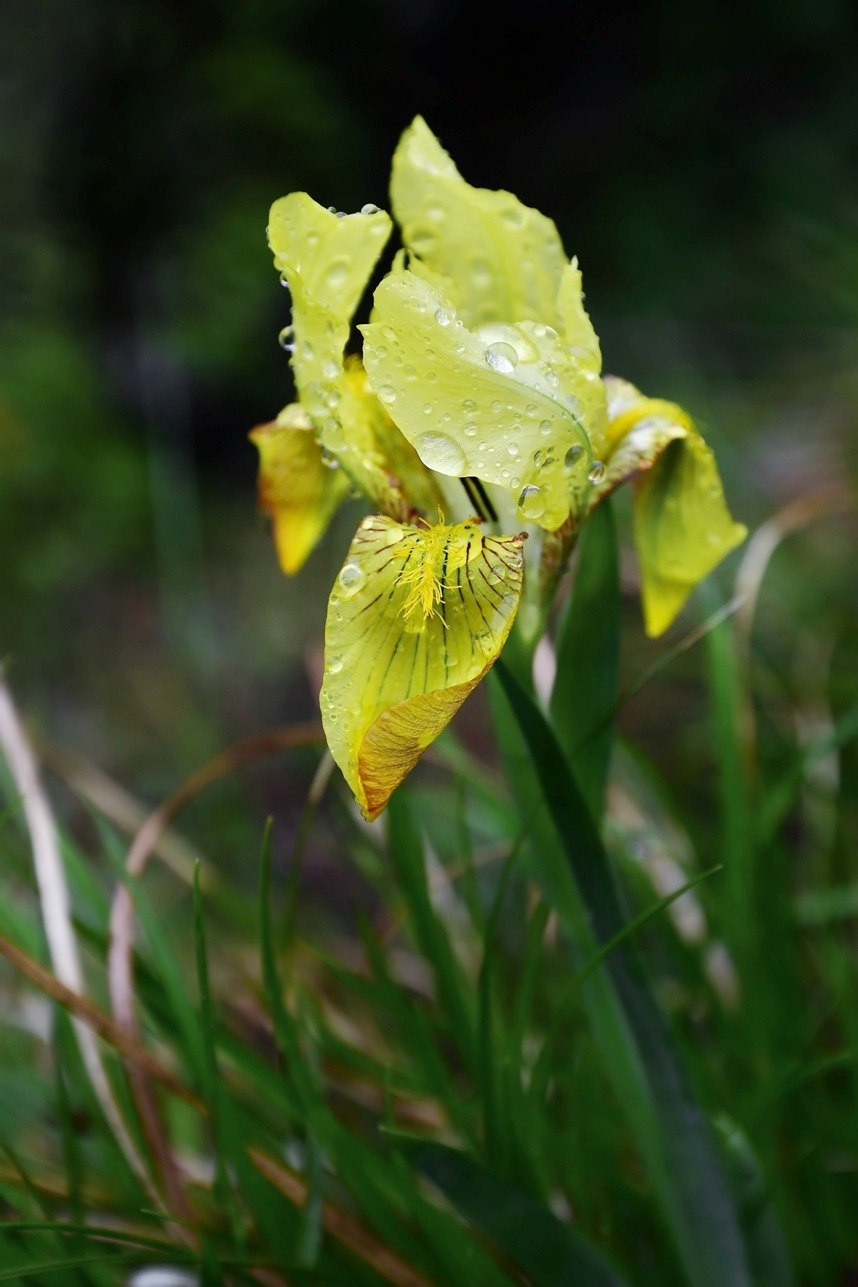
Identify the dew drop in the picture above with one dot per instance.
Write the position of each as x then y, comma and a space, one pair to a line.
284, 339
573, 455
335, 665
330, 370
369, 209
531, 502
441, 452
512, 448
428, 408
351, 580
469, 406
284, 280
545, 428
329, 460
393, 536
597, 471
387, 393
442, 317
470, 429
337, 273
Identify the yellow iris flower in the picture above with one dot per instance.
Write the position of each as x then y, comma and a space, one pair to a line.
475, 416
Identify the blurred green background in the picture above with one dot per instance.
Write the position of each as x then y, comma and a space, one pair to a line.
701, 162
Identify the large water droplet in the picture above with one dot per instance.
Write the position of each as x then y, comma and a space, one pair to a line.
545, 428
531, 503
573, 455
597, 471
369, 209
387, 393
337, 273
469, 406
441, 452
334, 666
512, 448
351, 580
284, 339
506, 333
502, 358
442, 317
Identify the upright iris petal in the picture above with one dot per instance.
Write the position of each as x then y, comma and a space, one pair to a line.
501, 260
500, 404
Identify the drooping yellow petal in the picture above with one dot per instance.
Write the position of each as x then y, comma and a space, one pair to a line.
504, 404
682, 526
502, 261
296, 487
416, 618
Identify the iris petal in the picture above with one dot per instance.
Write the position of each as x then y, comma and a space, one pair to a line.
502, 404
415, 620
502, 261
296, 488
683, 528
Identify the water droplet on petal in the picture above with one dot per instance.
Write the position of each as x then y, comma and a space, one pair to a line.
284, 280
428, 408
441, 452
387, 393
502, 358
442, 317
335, 665
531, 503
337, 273
369, 209
470, 429
573, 455
330, 370
329, 460
597, 471
351, 580
393, 536
469, 406
545, 428
512, 448
284, 339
